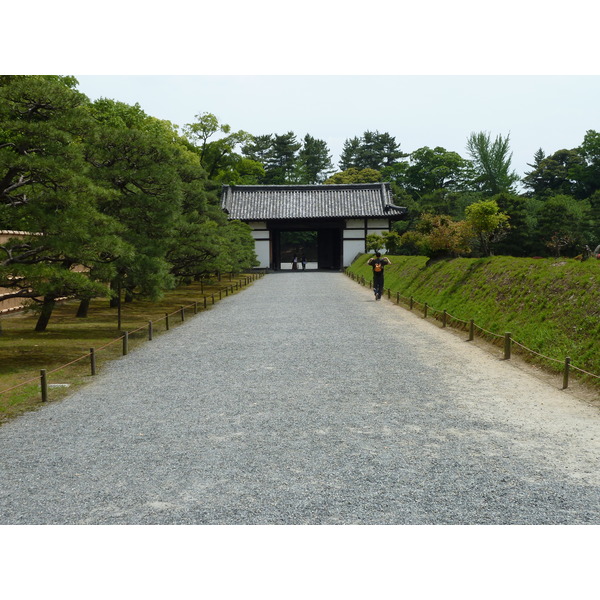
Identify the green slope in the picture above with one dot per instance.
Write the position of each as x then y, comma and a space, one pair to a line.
551, 306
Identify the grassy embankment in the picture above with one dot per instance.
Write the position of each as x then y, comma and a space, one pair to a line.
23, 352
551, 306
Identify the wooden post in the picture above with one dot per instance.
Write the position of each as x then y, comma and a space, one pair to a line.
471, 330
566, 373
150, 332
119, 304
204, 298
213, 298
397, 297
93, 361
182, 311
195, 308
167, 320
444, 318
44, 385
411, 303
425, 310
125, 343
507, 345
389, 293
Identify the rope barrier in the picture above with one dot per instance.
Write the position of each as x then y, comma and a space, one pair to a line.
115, 341
412, 302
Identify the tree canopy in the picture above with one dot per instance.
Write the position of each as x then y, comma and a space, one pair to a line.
108, 194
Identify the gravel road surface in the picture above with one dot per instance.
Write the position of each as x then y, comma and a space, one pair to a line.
302, 400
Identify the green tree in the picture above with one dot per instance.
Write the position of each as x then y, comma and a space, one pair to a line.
133, 156
282, 159
218, 157
434, 169
354, 175
258, 148
45, 190
561, 173
520, 237
488, 224
373, 150
563, 224
491, 162
314, 161
590, 151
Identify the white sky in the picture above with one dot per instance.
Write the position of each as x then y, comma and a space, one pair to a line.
551, 112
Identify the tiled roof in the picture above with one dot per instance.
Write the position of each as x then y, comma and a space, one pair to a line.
262, 202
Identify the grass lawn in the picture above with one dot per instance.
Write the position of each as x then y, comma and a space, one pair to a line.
64, 349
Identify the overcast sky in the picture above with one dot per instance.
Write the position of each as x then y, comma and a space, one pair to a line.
548, 112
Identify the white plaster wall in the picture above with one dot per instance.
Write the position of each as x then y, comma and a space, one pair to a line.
263, 255
351, 249
378, 224
354, 233
355, 224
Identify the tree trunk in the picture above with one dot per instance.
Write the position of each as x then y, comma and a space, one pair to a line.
84, 305
114, 301
47, 308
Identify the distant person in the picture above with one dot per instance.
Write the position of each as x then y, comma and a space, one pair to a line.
295, 263
378, 263
304, 263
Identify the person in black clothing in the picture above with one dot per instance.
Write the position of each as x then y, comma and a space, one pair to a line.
378, 263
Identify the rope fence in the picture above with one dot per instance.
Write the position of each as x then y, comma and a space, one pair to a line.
125, 337
448, 319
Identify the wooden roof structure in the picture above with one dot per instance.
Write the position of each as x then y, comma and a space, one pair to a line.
283, 202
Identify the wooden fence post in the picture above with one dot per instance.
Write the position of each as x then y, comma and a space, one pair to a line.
150, 332
125, 342
425, 310
444, 318
471, 330
411, 303
566, 373
507, 345
93, 361
182, 311
44, 385
167, 321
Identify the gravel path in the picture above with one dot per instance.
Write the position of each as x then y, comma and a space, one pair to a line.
301, 400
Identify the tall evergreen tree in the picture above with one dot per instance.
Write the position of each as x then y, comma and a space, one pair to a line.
281, 159
314, 164
560, 173
45, 190
373, 150
491, 161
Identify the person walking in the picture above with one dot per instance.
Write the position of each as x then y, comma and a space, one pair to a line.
295, 263
378, 263
304, 263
